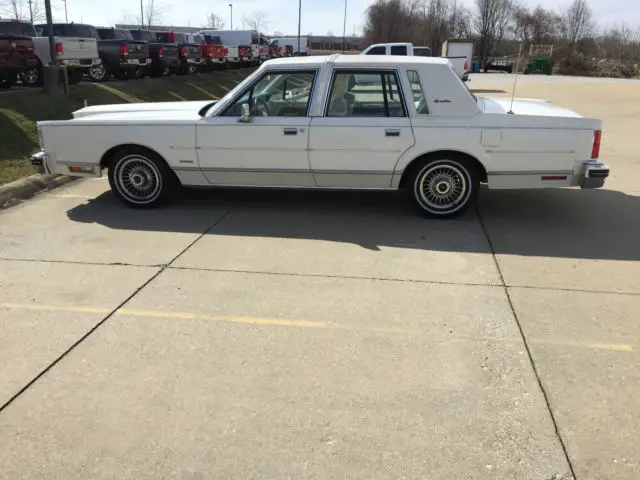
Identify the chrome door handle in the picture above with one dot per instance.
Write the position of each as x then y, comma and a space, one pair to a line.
290, 131
389, 132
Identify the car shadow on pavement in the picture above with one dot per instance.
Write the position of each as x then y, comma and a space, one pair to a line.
568, 223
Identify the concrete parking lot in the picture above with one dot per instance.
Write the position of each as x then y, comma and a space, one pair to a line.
276, 335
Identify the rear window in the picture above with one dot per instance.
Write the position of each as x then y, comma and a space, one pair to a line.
163, 37
181, 38
399, 50
114, 34
17, 28
70, 30
199, 39
422, 51
143, 35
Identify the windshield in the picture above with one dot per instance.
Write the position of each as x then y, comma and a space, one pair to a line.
17, 28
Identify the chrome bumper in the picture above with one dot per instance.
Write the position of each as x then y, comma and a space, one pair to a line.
595, 173
39, 160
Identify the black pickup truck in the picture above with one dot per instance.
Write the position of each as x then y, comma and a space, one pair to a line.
17, 52
190, 53
121, 55
165, 58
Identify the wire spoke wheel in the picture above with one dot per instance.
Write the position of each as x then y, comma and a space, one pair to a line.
138, 179
445, 187
442, 187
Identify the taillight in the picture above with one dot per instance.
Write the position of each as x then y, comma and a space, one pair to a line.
160, 52
279, 49
466, 65
59, 49
185, 52
261, 51
226, 52
29, 49
124, 50
240, 51
595, 149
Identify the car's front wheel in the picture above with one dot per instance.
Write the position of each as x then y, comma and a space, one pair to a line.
444, 186
141, 178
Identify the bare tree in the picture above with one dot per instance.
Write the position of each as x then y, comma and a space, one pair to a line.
215, 22
257, 21
23, 10
576, 22
491, 21
152, 14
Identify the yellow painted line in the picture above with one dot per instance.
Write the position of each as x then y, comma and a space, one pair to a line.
202, 90
224, 88
55, 308
174, 94
216, 318
276, 322
607, 346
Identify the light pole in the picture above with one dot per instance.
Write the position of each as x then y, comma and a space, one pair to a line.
299, 20
231, 7
141, 15
66, 17
344, 28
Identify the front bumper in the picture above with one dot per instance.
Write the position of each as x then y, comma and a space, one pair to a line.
595, 173
39, 160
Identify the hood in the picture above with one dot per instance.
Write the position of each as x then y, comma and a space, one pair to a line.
526, 106
157, 107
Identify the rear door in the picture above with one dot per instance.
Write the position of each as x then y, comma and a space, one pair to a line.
363, 132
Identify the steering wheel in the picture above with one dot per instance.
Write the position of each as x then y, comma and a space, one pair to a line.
261, 107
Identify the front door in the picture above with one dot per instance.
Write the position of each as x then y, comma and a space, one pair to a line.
363, 131
271, 148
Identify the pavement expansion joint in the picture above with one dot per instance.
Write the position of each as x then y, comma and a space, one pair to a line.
526, 344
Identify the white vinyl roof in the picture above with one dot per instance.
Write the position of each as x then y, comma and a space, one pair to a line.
357, 60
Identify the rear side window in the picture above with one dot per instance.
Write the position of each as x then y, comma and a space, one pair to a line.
422, 52
180, 38
365, 94
163, 37
377, 51
17, 28
399, 50
419, 100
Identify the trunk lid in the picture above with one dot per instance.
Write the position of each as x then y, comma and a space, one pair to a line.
526, 106
138, 50
80, 48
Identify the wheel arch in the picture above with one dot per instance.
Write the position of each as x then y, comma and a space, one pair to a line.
109, 155
437, 153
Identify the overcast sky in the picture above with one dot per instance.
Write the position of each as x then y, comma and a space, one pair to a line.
318, 16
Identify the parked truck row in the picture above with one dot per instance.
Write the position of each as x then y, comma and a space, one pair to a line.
100, 53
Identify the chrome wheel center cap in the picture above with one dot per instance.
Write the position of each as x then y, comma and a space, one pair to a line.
137, 180
443, 187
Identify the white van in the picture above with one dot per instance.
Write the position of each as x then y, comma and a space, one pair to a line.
304, 44
245, 38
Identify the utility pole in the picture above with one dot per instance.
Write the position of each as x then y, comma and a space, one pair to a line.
52, 42
31, 11
299, 21
141, 15
66, 17
231, 7
344, 28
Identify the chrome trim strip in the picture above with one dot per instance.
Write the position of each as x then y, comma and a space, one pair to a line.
534, 172
498, 150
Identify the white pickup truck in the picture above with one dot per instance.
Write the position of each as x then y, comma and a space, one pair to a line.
78, 54
460, 64
325, 122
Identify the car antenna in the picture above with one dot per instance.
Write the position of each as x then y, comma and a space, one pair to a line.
515, 79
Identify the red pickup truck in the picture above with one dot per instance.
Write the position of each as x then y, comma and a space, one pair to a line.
212, 51
17, 54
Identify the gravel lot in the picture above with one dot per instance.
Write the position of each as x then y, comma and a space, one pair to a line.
273, 335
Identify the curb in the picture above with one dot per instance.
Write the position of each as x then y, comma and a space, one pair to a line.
25, 188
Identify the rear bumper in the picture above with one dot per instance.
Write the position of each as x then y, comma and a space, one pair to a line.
80, 63
595, 174
39, 160
134, 62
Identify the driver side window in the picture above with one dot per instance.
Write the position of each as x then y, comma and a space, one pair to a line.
281, 94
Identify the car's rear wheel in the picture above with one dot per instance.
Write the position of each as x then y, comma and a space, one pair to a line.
33, 76
141, 178
444, 186
100, 72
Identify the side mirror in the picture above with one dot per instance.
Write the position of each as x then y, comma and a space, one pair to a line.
246, 115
